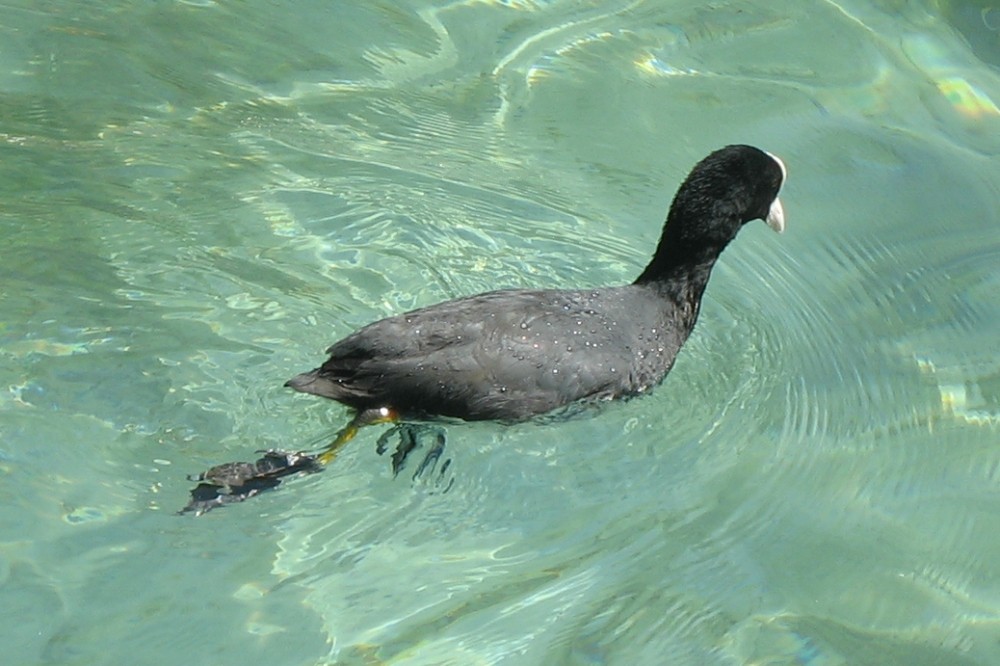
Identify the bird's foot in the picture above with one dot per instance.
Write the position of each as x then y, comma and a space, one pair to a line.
238, 481
412, 436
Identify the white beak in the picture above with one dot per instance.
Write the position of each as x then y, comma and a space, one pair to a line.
776, 214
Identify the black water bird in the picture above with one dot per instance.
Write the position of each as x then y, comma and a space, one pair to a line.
514, 354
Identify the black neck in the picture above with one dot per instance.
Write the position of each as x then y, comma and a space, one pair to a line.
680, 268
682, 259
682, 283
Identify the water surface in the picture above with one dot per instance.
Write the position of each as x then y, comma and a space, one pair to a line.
197, 197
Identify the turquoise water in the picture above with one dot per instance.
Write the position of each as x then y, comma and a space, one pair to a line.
197, 197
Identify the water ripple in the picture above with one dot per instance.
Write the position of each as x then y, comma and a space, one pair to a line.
195, 213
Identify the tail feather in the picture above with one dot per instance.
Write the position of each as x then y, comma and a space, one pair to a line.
312, 382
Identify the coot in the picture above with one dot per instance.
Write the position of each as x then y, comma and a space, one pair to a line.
514, 354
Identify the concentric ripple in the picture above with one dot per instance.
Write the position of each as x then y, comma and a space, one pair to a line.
192, 215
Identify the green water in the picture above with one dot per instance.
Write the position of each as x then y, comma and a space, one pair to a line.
197, 197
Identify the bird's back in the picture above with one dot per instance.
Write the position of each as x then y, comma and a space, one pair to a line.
506, 355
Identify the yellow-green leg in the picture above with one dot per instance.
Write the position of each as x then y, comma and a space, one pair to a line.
361, 419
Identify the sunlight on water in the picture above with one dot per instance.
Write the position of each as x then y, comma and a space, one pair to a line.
199, 197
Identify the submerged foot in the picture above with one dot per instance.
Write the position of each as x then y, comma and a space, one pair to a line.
412, 436
234, 482
237, 481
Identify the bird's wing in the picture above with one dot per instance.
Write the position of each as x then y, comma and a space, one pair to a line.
505, 355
